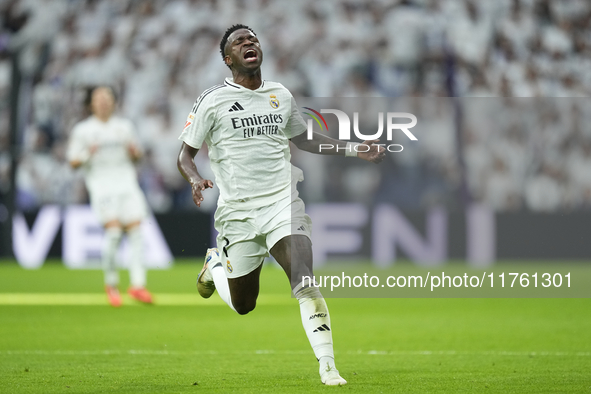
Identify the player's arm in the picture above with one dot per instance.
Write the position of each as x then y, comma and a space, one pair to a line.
324, 145
77, 152
132, 141
199, 124
187, 167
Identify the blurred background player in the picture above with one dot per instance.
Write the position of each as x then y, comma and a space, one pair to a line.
259, 210
105, 146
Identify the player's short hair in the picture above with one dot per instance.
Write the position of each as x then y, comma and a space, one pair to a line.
90, 89
231, 30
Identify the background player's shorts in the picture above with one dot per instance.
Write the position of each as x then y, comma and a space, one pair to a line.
246, 236
126, 206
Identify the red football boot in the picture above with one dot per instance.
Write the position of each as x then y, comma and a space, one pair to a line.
140, 294
113, 295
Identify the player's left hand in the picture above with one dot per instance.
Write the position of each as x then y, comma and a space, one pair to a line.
375, 154
134, 152
197, 188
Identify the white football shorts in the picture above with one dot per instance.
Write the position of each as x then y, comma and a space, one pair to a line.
126, 206
246, 236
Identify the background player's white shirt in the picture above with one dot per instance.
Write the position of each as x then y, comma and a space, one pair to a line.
247, 132
110, 169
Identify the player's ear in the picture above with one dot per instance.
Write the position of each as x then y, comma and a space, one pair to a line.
228, 60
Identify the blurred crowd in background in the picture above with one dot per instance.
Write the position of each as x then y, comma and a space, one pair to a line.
528, 149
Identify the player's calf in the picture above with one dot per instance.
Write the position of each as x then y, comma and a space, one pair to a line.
245, 291
244, 306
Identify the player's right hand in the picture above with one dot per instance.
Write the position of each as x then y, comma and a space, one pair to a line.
375, 154
197, 188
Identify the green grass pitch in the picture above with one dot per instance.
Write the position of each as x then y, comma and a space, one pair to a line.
57, 335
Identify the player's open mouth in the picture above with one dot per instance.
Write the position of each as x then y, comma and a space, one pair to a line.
251, 55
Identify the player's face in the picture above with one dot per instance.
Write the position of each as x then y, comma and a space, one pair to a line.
243, 51
102, 103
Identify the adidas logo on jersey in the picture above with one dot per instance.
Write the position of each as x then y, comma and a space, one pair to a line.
301, 228
236, 107
323, 327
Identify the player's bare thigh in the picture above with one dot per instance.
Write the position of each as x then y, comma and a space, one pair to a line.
294, 255
117, 224
130, 226
112, 224
297, 248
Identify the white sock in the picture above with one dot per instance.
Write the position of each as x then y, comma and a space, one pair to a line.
316, 322
111, 241
137, 271
220, 280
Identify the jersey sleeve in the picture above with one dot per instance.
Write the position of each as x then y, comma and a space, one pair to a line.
77, 149
199, 123
296, 124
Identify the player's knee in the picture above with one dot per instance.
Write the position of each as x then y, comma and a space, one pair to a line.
244, 307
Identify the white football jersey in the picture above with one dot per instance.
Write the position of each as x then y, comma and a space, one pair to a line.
110, 168
247, 132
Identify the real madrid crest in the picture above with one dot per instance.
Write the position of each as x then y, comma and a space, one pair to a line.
229, 266
274, 102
